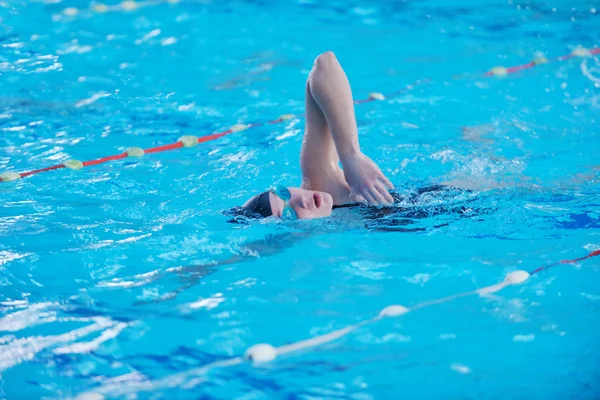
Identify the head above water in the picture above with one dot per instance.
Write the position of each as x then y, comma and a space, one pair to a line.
290, 203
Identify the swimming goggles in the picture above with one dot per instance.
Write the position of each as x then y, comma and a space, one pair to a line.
284, 194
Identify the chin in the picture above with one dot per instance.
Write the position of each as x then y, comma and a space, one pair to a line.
329, 202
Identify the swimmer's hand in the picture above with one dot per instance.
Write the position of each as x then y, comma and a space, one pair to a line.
365, 177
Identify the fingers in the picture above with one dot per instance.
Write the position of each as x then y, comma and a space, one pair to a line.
384, 192
369, 198
377, 195
385, 180
379, 198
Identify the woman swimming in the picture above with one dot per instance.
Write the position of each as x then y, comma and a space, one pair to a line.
330, 138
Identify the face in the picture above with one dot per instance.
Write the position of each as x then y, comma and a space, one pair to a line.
308, 204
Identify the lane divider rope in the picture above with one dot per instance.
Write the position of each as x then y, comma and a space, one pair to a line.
191, 141
264, 352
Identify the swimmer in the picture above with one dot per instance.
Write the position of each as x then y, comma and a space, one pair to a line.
330, 138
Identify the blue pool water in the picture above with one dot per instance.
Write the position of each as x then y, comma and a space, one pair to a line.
125, 279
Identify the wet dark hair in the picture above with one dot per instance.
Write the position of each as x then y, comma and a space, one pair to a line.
257, 207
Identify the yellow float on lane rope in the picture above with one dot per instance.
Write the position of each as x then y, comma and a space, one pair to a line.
188, 140
70, 11
129, 5
499, 71
581, 52
9, 176
285, 117
376, 96
100, 8
540, 60
238, 128
73, 164
134, 152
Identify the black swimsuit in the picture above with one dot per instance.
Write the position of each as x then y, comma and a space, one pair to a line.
422, 203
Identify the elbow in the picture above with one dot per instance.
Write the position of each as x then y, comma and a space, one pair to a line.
325, 61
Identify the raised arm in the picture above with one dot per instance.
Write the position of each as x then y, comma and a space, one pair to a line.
331, 136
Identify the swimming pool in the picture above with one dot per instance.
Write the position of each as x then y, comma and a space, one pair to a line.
125, 279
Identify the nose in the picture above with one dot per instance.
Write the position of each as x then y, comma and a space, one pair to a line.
306, 200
